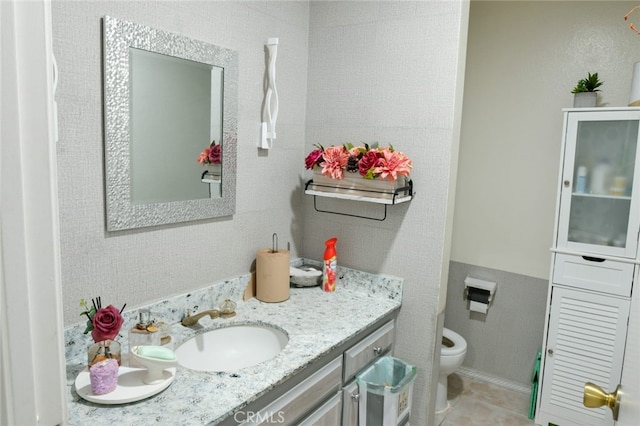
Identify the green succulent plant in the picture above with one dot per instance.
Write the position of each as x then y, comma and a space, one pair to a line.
589, 84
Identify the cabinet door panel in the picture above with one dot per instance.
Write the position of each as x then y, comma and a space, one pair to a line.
327, 415
287, 409
599, 209
350, 399
585, 343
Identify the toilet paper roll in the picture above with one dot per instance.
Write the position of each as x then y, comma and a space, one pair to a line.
272, 275
478, 306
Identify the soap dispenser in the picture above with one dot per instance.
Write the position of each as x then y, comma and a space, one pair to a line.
144, 333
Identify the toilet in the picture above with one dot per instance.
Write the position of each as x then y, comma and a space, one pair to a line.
452, 352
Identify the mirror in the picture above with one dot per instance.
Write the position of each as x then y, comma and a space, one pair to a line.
168, 101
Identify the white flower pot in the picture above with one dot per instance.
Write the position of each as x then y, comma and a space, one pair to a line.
585, 99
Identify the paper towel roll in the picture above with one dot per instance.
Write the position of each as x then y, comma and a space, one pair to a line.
272, 275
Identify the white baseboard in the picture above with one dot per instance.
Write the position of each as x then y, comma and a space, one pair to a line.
509, 384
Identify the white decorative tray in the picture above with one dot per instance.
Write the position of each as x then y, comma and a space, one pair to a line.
130, 386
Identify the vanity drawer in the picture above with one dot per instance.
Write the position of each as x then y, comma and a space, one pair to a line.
593, 273
301, 399
361, 354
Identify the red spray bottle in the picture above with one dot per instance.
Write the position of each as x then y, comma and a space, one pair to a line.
330, 265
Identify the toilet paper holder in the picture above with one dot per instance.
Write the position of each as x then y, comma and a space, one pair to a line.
479, 290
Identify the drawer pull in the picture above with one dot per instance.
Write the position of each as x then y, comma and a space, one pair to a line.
593, 259
377, 350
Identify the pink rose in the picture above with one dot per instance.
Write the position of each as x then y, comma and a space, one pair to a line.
368, 161
312, 159
215, 154
106, 324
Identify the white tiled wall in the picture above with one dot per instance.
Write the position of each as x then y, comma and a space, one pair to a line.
386, 72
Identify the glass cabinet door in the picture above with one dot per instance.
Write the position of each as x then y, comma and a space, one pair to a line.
598, 208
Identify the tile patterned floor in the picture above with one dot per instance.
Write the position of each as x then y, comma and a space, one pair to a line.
475, 402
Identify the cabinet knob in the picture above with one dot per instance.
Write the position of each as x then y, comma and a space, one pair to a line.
566, 184
355, 397
377, 350
550, 352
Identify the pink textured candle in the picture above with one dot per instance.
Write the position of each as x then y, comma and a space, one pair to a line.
104, 376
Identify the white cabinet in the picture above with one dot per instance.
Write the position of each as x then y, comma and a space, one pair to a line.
594, 262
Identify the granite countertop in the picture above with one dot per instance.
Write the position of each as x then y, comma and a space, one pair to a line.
316, 322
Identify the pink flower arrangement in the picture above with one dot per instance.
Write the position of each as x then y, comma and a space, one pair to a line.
103, 323
371, 162
211, 154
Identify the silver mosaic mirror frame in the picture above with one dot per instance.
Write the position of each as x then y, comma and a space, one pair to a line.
118, 37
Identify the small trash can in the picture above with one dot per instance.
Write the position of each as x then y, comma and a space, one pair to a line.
386, 390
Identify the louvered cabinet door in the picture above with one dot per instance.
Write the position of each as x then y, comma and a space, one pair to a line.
585, 343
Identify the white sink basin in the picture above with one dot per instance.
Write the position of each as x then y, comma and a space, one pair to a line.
231, 348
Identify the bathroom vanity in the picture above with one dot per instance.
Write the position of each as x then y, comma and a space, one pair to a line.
594, 264
329, 396
331, 336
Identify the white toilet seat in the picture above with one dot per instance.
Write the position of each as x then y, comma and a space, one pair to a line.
451, 357
459, 344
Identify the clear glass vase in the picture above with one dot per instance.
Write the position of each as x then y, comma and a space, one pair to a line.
102, 350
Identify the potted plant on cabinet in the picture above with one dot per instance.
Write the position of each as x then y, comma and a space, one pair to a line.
585, 93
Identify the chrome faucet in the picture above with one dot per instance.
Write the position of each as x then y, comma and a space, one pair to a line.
190, 320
